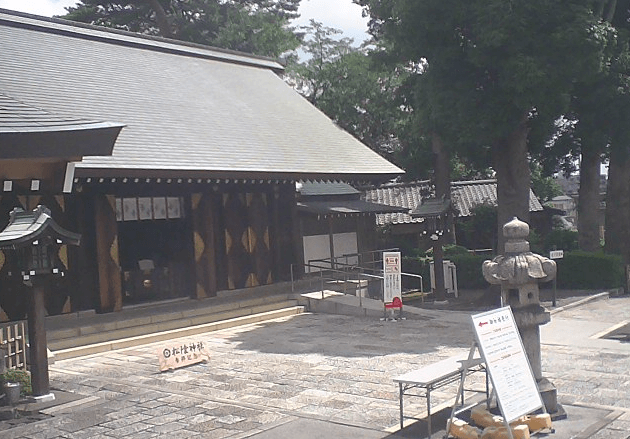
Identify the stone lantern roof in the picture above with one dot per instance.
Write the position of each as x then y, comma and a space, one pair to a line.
25, 228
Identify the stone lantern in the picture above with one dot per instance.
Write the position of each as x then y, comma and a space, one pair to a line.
519, 271
36, 238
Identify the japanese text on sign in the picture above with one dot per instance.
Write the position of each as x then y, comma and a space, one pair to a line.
508, 366
392, 287
181, 354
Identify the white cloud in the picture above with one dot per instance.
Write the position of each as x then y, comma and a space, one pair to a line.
338, 14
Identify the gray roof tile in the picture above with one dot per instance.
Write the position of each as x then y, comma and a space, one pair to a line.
468, 194
407, 195
186, 108
465, 195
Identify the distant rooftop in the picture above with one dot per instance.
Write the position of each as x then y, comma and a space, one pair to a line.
464, 195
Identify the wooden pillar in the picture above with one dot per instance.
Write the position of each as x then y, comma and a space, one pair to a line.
276, 236
37, 340
204, 241
109, 281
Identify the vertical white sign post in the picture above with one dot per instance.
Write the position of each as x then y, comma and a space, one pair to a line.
501, 346
555, 254
392, 289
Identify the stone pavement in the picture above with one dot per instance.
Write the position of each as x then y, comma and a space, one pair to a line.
323, 376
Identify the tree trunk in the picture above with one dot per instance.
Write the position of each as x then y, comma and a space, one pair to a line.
441, 164
513, 179
442, 177
618, 204
588, 200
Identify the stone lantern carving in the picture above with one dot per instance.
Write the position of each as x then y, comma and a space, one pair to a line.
519, 271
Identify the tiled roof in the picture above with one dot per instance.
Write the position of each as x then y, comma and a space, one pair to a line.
17, 117
188, 109
25, 130
468, 194
407, 195
464, 194
318, 188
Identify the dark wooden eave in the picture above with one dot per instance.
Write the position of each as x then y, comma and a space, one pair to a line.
344, 208
433, 207
29, 132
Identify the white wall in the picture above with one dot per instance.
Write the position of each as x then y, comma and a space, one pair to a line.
318, 247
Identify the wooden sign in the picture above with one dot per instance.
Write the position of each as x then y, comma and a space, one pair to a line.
392, 288
501, 346
176, 355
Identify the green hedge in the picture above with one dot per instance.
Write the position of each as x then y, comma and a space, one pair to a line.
577, 270
469, 274
583, 270
468, 270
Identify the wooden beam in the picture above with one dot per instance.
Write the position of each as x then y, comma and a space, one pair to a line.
110, 284
203, 222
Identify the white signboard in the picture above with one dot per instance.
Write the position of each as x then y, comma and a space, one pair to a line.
392, 288
556, 254
508, 366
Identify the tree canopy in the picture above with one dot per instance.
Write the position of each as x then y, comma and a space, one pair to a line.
254, 26
492, 72
350, 87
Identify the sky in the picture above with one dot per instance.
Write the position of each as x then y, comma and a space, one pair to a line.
339, 14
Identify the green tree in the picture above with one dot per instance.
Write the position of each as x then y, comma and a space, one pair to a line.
493, 71
350, 87
544, 186
254, 26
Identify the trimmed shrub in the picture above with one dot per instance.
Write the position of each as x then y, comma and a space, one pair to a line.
415, 265
561, 239
469, 274
468, 267
18, 376
584, 270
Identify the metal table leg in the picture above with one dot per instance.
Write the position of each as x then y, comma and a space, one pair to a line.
429, 412
400, 397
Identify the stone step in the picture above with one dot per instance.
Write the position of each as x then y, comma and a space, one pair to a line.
169, 334
92, 330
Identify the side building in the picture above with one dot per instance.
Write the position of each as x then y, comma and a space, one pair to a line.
199, 194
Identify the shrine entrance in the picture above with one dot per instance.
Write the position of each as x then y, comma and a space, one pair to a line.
155, 254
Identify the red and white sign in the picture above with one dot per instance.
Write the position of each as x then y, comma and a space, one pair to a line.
501, 347
392, 288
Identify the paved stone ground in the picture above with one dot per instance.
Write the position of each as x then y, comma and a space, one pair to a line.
300, 371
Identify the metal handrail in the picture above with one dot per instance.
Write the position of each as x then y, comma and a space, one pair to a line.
359, 273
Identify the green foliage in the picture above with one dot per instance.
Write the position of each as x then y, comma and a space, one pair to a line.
468, 268
479, 230
356, 92
583, 270
449, 250
469, 275
18, 376
561, 239
544, 186
254, 26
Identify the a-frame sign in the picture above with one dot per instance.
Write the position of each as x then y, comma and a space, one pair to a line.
501, 347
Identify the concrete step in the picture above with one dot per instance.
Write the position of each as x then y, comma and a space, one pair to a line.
95, 328
150, 333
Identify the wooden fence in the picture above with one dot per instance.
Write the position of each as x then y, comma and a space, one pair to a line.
13, 345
